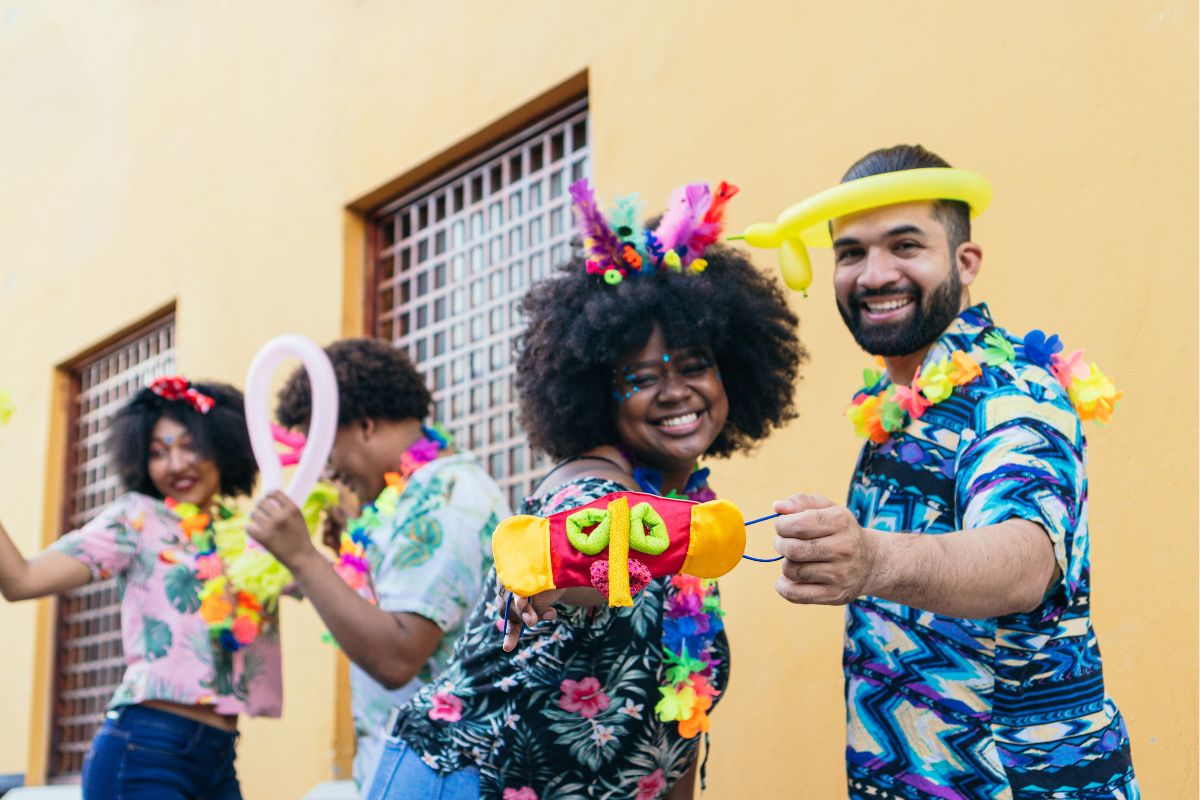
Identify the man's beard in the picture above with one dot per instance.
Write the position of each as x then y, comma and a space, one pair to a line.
928, 321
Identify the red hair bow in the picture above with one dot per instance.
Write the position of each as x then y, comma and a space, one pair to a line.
176, 387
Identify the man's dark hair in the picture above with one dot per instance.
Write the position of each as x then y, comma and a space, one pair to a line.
579, 326
954, 215
219, 435
374, 380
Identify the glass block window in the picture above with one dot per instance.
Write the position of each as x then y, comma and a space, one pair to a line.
451, 261
89, 658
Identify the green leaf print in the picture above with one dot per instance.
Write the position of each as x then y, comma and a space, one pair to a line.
418, 541
156, 638
183, 589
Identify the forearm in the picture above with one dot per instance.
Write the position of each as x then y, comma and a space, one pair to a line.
45, 574
976, 574
377, 641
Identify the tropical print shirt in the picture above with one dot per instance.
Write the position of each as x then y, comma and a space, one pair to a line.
570, 714
428, 558
1009, 707
168, 652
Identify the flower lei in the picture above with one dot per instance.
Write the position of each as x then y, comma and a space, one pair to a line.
693, 618
877, 414
240, 585
352, 564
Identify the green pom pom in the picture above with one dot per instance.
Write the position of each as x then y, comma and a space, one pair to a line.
613, 276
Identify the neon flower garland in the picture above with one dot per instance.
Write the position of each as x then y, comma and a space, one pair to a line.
693, 617
352, 562
239, 585
876, 414
691, 623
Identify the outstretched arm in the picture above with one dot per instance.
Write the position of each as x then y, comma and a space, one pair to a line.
990, 571
45, 574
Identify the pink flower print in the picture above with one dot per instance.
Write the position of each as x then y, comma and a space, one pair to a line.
446, 707
524, 793
651, 786
583, 696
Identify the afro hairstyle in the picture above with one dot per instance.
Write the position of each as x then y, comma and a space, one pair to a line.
579, 327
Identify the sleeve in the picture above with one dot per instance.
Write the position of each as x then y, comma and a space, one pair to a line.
1024, 458
108, 543
435, 562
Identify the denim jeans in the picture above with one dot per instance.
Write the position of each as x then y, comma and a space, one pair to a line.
143, 753
402, 775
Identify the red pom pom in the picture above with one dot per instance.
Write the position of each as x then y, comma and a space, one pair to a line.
639, 576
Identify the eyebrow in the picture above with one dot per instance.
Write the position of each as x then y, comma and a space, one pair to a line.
899, 230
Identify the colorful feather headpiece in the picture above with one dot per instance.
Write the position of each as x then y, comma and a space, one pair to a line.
618, 246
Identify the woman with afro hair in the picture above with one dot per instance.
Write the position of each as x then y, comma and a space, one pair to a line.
653, 351
171, 726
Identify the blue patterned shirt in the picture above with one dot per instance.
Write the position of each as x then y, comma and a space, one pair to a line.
1014, 706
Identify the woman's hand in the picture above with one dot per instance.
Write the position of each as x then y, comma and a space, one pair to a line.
526, 611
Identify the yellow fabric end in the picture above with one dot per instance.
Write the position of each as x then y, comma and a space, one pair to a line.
618, 553
718, 539
521, 549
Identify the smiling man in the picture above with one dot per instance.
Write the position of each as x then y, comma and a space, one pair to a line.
971, 666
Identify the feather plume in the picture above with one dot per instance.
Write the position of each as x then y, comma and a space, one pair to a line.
602, 244
625, 219
709, 230
685, 210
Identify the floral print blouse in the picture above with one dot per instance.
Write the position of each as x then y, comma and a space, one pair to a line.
570, 714
168, 652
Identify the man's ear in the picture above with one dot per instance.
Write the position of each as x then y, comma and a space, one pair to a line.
367, 428
967, 260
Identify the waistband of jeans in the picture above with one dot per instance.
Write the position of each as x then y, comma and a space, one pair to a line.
125, 717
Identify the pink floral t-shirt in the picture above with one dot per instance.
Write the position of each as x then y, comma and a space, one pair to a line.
168, 653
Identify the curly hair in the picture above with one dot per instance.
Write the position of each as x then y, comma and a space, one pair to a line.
374, 380
219, 435
579, 326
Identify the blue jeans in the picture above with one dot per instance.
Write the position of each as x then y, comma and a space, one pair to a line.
402, 775
144, 753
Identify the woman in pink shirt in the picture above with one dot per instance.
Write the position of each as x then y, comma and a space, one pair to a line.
197, 654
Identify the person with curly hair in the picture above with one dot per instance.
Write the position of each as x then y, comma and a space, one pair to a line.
171, 726
656, 349
411, 565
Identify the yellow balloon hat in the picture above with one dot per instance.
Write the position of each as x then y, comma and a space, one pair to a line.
806, 222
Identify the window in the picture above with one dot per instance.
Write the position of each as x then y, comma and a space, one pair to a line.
452, 260
89, 657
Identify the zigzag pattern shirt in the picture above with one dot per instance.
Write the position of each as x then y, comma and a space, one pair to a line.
1010, 707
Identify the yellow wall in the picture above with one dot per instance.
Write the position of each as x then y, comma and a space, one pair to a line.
205, 153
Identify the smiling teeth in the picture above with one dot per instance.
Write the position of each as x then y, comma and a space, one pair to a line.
675, 422
890, 305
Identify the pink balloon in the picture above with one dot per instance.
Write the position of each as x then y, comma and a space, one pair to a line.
321, 426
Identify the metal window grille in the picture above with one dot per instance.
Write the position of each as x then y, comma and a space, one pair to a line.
452, 260
89, 656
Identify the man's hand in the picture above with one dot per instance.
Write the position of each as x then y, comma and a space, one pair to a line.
526, 611
828, 557
277, 525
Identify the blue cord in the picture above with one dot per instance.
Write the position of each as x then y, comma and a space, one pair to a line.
762, 560
507, 606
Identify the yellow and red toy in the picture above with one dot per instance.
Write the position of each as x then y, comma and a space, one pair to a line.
617, 544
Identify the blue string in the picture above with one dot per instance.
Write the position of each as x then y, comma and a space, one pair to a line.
507, 606
762, 560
